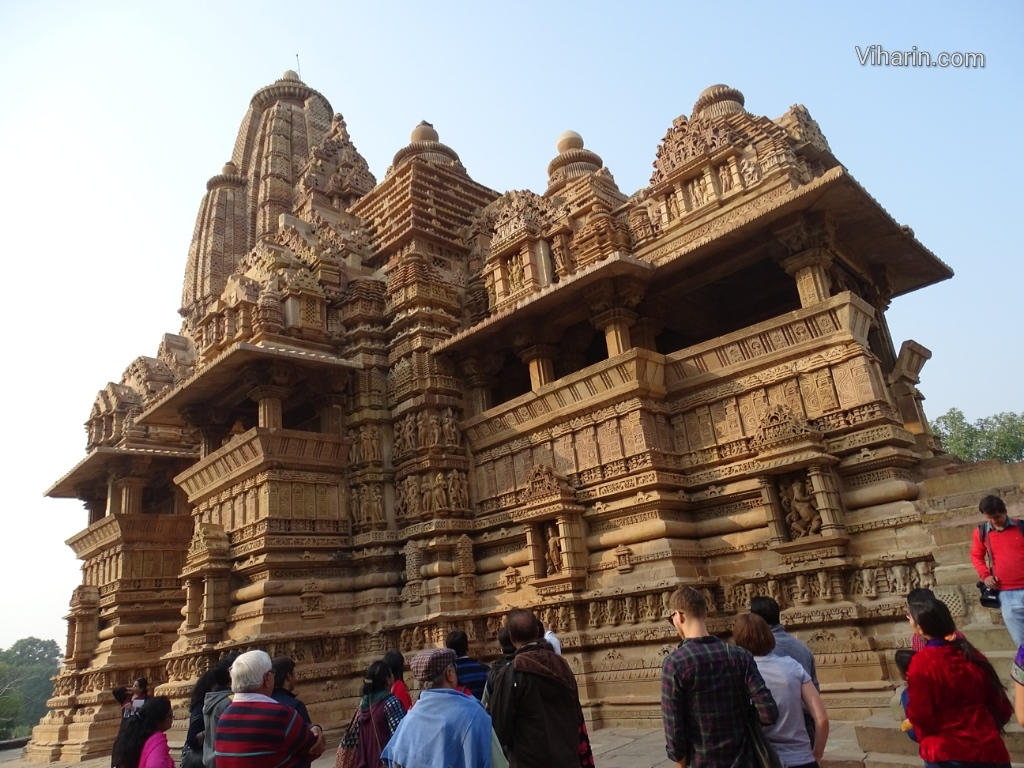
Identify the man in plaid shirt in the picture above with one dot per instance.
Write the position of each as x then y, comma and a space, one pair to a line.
707, 687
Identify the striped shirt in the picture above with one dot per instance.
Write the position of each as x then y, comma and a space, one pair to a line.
258, 732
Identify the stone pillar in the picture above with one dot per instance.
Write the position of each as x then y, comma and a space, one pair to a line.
810, 269
540, 359
644, 333
96, 507
773, 509
615, 323
827, 501
131, 488
113, 494
332, 418
535, 548
270, 399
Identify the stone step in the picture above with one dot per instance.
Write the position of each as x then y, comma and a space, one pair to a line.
879, 735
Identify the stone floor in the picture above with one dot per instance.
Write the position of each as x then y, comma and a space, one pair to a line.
627, 748
613, 748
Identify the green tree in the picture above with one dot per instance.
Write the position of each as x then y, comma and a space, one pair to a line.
994, 437
25, 671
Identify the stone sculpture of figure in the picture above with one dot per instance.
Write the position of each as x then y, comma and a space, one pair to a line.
374, 444
421, 430
697, 192
725, 177
775, 593
803, 517
400, 500
749, 170
899, 579
709, 598
439, 497
378, 504
412, 496
925, 574
749, 592
803, 591
398, 441
353, 447
453, 490
426, 495
364, 504
409, 443
435, 430
451, 432
867, 580
364, 440
554, 553
354, 503
515, 273
824, 585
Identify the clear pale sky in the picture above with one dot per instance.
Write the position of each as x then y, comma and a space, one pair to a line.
114, 115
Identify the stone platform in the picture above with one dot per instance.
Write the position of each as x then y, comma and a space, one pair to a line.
873, 743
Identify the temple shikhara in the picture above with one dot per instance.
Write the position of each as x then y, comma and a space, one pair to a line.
399, 407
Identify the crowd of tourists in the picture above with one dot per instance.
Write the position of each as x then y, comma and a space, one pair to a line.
754, 702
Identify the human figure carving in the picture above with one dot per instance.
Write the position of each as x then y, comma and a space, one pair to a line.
354, 503
554, 553
451, 432
421, 430
515, 273
353, 447
365, 441
802, 516
378, 504
453, 490
899, 579
725, 177
412, 496
439, 497
824, 585
426, 495
374, 444
400, 500
925, 574
435, 430
364, 504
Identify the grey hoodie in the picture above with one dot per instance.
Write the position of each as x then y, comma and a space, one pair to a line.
213, 707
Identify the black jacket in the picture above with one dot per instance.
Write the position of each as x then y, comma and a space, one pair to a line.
535, 710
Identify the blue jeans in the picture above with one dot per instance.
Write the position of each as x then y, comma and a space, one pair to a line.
1011, 603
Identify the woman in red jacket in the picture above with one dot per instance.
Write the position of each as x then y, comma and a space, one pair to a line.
956, 703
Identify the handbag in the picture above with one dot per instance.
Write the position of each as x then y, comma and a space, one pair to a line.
190, 758
346, 755
762, 752
989, 597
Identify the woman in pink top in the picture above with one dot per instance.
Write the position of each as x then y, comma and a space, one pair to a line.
143, 743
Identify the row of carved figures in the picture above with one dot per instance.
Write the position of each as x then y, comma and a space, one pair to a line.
431, 492
424, 429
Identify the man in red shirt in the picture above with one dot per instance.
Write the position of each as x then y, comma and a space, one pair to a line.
998, 556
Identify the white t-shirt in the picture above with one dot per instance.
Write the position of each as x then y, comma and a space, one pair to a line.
550, 637
784, 677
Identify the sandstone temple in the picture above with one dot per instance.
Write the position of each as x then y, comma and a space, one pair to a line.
397, 408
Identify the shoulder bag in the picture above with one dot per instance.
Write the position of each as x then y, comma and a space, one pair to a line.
989, 597
762, 752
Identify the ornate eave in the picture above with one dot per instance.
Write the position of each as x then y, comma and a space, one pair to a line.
222, 372
99, 461
861, 224
128, 529
537, 306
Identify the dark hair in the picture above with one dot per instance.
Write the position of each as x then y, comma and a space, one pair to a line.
992, 505
689, 602
902, 658
376, 678
505, 641
396, 663
139, 727
919, 595
282, 666
458, 641
222, 669
933, 617
766, 608
751, 632
143, 683
522, 626
203, 686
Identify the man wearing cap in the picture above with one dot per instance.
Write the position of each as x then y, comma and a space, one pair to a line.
535, 705
445, 727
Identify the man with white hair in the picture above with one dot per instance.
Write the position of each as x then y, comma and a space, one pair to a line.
257, 732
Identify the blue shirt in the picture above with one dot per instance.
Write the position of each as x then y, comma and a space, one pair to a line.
445, 727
